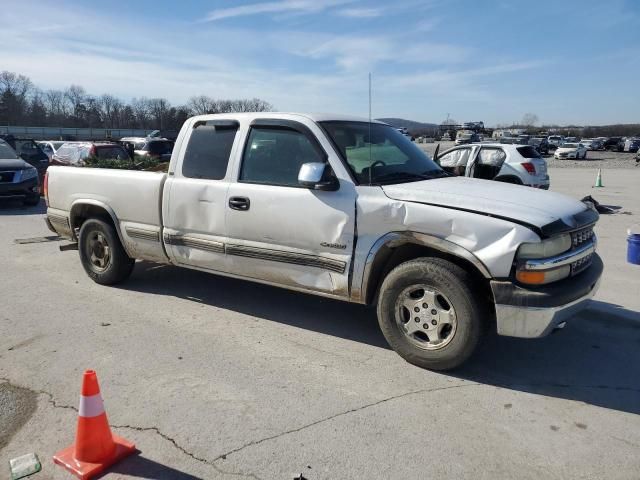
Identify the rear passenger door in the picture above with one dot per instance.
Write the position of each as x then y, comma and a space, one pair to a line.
487, 163
194, 205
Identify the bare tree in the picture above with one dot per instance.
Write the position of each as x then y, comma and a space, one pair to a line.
14, 90
202, 104
159, 108
110, 107
529, 119
56, 105
76, 96
141, 112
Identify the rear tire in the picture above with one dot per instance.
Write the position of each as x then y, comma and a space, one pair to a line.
101, 253
429, 314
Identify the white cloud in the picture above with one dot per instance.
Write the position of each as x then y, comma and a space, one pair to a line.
282, 6
360, 12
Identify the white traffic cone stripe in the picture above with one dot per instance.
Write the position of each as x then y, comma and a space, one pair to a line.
91, 406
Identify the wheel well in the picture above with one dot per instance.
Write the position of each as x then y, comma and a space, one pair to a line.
84, 212
390, 258
509, 179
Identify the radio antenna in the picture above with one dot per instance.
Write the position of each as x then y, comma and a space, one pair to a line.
370, 139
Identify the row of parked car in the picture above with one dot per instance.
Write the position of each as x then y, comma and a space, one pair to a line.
76, 153
23, 162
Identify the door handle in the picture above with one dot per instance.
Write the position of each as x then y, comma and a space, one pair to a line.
239, 203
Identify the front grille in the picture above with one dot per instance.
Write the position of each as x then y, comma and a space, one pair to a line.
6, 177
580, 265
580, 237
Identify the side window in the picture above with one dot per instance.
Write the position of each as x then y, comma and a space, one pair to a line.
456, 161
491, 156
208, 151
489, 163
273, 156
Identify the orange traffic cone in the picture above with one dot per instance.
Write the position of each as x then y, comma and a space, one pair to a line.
96, 448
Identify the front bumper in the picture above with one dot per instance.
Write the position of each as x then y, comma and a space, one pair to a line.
531, 313
21, 190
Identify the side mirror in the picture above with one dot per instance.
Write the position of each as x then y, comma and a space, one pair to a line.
317, 176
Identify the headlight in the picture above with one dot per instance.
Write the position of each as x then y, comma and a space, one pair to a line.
29, 173
547, 248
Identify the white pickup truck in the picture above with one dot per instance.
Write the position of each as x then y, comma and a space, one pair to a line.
352, 210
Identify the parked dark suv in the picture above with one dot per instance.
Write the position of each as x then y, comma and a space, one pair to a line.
30, 152
541, 144
18, 178
614, 144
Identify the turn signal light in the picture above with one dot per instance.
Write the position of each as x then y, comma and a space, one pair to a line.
532, 278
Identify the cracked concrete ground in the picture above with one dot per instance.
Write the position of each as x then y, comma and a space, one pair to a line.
217, 378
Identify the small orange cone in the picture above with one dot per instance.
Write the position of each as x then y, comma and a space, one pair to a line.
96, 448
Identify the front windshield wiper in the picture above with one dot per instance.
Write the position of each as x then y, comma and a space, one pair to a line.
428, 175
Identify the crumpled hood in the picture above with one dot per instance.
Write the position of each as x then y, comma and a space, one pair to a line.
515, 202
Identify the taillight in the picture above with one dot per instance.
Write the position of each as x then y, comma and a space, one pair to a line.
92, 151
45, 188
529, 167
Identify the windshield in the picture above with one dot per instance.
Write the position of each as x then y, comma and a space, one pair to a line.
6, 152
160, 147
379, 154
528, 152
570, 145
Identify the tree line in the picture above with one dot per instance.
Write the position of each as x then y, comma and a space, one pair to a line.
22, 103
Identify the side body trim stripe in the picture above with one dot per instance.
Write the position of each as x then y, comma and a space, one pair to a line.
259, 253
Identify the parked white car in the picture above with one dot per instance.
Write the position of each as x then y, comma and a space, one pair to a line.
556, 140
344, 208
50, 147
509, 163
571, 150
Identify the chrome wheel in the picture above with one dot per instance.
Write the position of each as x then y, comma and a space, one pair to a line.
426, 316
99, 251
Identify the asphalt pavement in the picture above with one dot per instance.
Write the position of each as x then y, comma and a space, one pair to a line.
219, 378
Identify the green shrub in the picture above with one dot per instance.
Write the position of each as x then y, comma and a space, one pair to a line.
138, 163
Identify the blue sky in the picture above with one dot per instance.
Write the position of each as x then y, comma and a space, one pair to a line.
566, 61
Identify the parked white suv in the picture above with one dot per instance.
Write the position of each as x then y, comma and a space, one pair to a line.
518, 164
344, 208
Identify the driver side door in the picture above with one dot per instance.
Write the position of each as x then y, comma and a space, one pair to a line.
280, 232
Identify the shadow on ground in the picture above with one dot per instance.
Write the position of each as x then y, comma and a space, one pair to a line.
14, 207
595, 359
141, 467
311, 312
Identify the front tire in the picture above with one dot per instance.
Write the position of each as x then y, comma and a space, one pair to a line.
102, 254
429, 315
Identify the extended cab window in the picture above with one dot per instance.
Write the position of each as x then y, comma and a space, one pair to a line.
208, 151
274, 156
